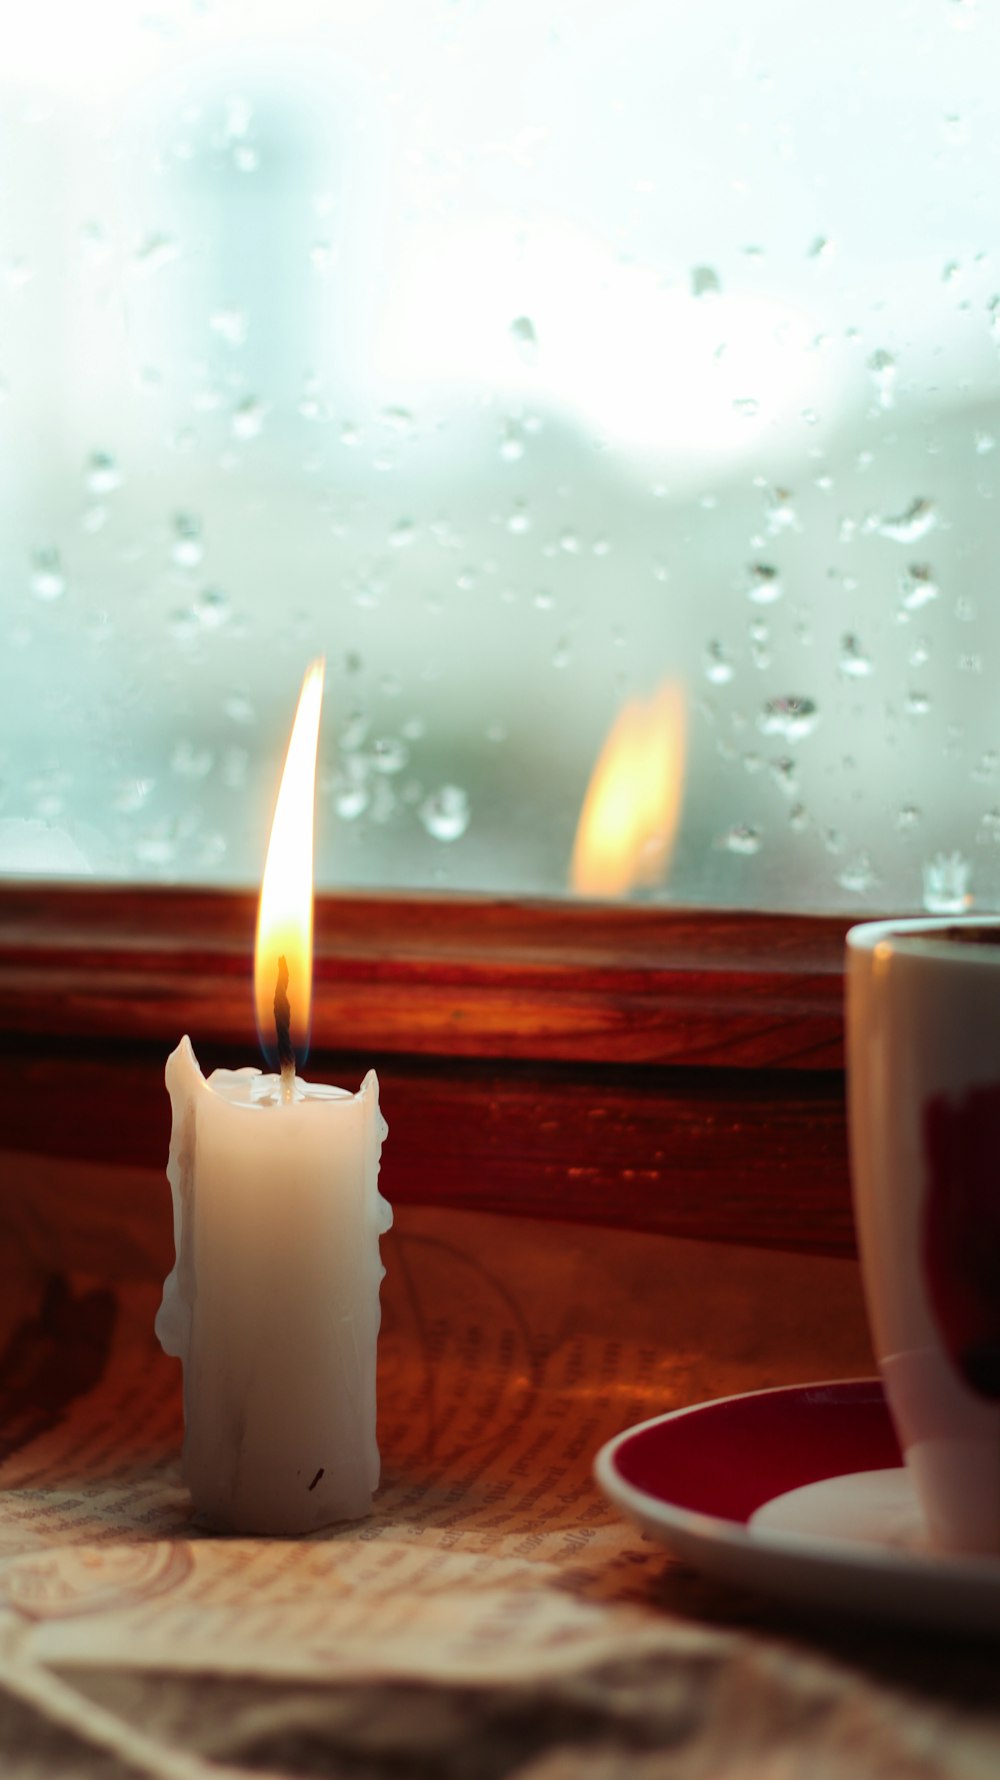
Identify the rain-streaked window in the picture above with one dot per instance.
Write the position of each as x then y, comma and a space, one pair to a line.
611, 393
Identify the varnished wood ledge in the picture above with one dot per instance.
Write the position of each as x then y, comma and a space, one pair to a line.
458, 976
669, 1070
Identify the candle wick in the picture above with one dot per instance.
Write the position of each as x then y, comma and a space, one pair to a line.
282, 1026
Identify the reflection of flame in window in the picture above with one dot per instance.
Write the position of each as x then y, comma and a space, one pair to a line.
630, 814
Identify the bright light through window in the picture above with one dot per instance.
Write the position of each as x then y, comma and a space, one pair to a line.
521, 360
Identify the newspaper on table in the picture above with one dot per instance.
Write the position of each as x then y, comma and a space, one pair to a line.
510, 1350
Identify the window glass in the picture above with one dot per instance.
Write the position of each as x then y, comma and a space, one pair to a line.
587, 383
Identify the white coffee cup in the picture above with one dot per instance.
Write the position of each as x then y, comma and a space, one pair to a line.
923, 1059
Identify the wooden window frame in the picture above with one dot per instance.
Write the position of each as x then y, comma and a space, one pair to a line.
672, 1070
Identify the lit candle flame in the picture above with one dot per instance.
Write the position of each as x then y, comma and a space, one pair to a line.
631, 811
285, 914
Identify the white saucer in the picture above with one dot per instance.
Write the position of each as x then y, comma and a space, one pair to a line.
798, 1493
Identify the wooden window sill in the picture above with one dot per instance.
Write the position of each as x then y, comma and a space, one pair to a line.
671, 1070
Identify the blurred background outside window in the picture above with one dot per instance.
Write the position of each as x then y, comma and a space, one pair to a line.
589, 383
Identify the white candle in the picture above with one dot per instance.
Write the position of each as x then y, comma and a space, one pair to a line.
273, 1302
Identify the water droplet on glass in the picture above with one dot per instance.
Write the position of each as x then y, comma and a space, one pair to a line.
705, 281
183, 625
907, 817
946, 884
231, 326
747, 407
94, 237
352, 800
793, 716
446, 813
131, 795
570, 543
246, 158
562, 655
781, 515
741, 839
247, 419
858, 875
907, 527
956, 129
917, 587
48, 582
522, 332
238, 708
984, 443
765, 584
519, 520
157, 847
209, 398
187, 548
402, 534
784, 772
353, 734
191, 762
322, 256
511, 441
882, 367
154, 251
102, 475
389, 754
853, 660
212, 608
820, 248
718, 668
759, 632
917, 704
398, 420
985, 768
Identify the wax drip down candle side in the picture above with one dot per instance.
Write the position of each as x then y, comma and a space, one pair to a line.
272, 1305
